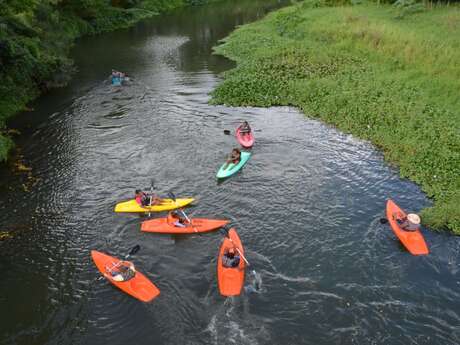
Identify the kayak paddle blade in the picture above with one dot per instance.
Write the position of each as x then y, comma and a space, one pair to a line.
134, 250
172, 196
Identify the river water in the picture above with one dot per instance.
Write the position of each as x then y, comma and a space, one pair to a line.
306, 206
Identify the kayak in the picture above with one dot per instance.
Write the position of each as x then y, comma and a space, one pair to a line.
230, 280
166, 225
412, 240
233, 168
139, 286
246, 140
166, 205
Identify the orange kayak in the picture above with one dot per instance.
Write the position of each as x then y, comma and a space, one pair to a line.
412, 240
139, 286
166, 225
230, 280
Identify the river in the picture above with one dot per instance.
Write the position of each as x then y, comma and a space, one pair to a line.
307, 208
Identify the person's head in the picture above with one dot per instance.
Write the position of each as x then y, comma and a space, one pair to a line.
231, 252
413, 218
246, 124
236, 151
137, 191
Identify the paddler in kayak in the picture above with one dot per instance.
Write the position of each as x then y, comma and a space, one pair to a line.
234, 158
144, 199
245, 128
230, 259
118, 77
409, 223
122, 271
117, 74
176, 219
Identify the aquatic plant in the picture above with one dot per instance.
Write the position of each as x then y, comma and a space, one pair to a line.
387, 78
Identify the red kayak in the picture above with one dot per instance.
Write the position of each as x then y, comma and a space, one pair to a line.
230, 280
167, 225
245, 139
412, 240
138, 286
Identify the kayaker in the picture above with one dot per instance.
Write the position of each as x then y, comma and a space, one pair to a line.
230, 259
117, 74
409, 223
177, 219
245, 128
234, 158
123, 271
144, 199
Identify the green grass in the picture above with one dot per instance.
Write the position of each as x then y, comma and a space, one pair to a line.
384, 74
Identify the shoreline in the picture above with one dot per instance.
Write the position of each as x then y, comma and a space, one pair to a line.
36, 44
381, 73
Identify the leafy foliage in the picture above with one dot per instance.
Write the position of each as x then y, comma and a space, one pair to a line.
35, 36
369, 72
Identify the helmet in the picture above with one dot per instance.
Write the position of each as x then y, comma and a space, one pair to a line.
413, 218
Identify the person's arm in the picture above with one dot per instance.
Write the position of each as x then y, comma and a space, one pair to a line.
228, 161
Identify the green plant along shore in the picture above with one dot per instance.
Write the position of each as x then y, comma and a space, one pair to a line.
385, 74
35, 36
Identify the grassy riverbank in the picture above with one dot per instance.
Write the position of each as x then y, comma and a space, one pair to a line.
385, 74
36, 35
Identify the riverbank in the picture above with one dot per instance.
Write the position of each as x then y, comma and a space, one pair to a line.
384, 74
35, 38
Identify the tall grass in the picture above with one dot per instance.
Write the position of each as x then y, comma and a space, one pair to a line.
384, 76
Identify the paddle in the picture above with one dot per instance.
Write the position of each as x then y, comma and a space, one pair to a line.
172, 196
151, 195
241, 254
185, 216
189, 220
151, 191
228, 132
133, 251
383, 221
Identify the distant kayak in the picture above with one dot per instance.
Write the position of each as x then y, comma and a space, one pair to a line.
138, 286
245, 139
166, 225
412, 240
230, 280
166, 205
233, 168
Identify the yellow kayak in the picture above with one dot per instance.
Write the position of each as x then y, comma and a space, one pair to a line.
166, 205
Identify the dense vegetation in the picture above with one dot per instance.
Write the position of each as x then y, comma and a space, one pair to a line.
388, 74
35, 36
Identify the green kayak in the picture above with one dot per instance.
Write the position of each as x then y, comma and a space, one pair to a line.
233, 168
